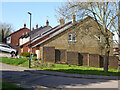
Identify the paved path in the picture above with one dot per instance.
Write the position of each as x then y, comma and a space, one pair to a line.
2, 54
17, 75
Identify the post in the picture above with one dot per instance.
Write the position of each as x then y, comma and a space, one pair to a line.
30, 42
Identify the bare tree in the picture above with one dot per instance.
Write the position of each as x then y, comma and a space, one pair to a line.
104, 13
5, 30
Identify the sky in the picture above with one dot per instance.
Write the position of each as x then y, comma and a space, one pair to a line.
15, 13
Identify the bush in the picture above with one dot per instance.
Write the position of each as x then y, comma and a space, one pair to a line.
25, 54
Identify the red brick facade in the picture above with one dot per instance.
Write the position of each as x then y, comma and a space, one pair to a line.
15, 37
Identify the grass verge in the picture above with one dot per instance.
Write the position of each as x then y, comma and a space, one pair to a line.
10, 86
63, 68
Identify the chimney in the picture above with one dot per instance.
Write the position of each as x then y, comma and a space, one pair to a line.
36, 26
32, 28
62, 21
24, 25
73, 18
47, 23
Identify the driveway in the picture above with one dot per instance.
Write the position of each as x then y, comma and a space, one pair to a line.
17, 75
3, 54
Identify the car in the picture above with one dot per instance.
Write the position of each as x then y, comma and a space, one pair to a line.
8, 49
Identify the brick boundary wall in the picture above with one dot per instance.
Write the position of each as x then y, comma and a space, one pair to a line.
48, 54
52, 55
94, 60
113, 62
83, 59
72, 58
61, 56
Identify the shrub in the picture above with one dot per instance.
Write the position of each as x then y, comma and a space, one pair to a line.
25, 54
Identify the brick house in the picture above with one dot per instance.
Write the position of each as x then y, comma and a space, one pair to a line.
24, 40
13, 38
69, 36
115, 49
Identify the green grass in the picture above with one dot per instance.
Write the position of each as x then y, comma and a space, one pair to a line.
10, 86
63, 68
80, 70
13, 61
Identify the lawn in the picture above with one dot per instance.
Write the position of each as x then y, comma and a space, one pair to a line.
10, 86
62, 68
13, 61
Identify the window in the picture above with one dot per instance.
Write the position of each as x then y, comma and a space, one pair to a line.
99, 38
5, 46
8, 39
69, 37
72, 37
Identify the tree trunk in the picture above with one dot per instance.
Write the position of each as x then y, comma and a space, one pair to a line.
106, 60
119, 34
2, 35
107, 50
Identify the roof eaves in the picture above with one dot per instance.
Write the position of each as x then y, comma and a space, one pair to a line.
56, 33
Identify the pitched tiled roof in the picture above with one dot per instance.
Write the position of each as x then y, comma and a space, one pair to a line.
49, 34
36, 32
55, 31
18, 31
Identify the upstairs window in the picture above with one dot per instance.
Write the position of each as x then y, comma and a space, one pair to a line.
99, 38
8, 40
71, 37
74, 38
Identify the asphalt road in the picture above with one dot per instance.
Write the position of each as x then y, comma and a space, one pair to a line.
26, 79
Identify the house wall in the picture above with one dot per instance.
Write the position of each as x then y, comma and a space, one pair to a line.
23, 40
15, 37
86, 44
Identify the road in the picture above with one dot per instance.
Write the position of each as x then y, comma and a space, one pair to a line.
26, 79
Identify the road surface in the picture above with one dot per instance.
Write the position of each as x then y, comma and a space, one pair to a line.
26, 79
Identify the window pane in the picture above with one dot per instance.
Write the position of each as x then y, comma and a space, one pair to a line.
70, 37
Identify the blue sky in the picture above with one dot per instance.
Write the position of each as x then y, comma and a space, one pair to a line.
15, 13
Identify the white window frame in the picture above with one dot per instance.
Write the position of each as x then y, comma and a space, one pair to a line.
70, 38
74, 36
9, 41
99, 37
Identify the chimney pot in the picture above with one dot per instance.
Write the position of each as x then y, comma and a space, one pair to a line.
36, 26
47, 22
24, 25
62, 21
73, 18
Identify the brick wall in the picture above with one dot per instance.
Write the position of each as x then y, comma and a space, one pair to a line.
52, 55
60, 56
94, 60
113, 62
83, 59
48, 54
102, 60
15, 36
72, 58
